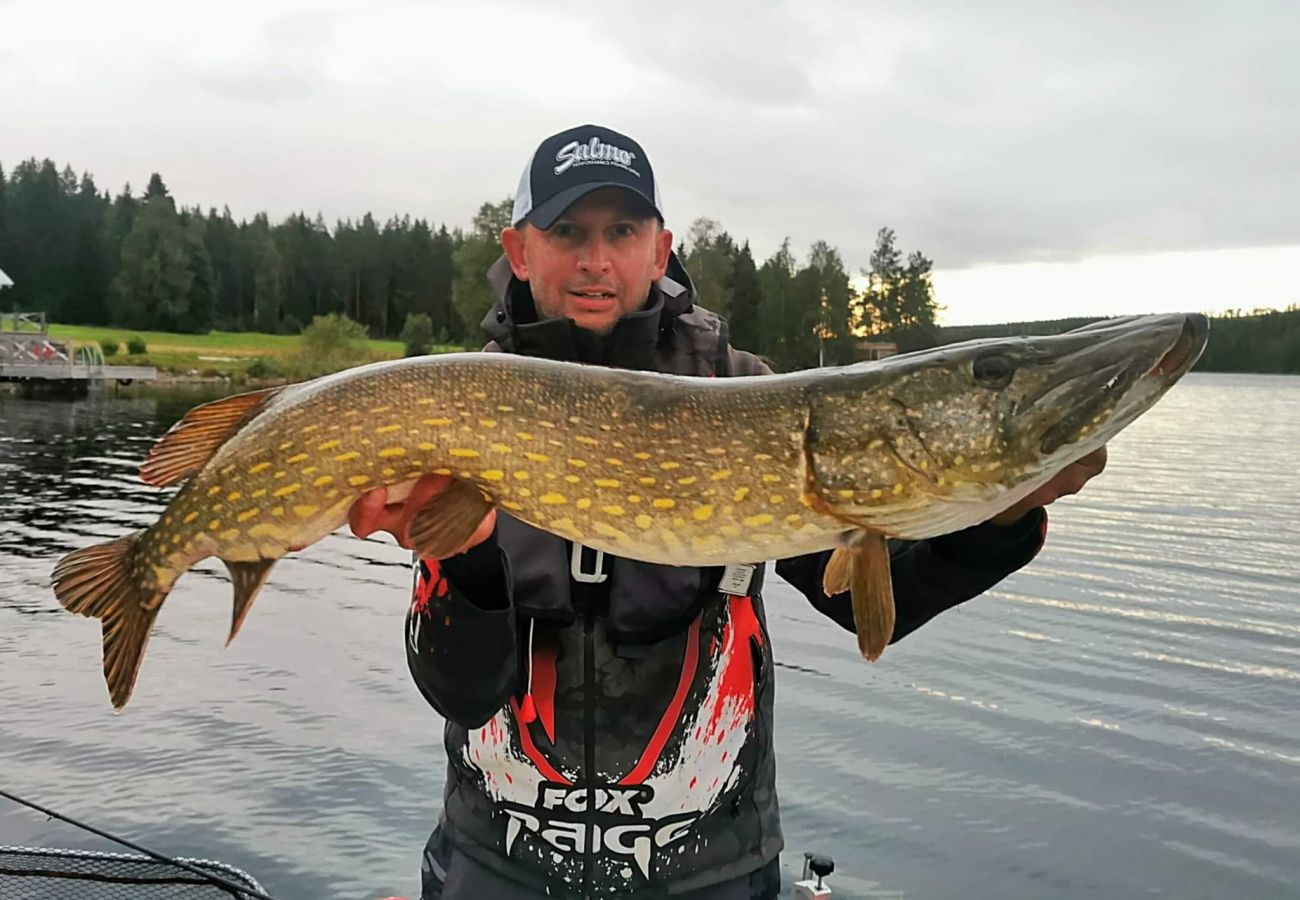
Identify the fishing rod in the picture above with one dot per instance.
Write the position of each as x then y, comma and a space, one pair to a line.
235, 889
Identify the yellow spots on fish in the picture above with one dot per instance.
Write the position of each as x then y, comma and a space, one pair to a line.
670, 539
308, 429
553, 499
190, 517
545, 424
708, 543
703, 513
296, 458
584, 503
233, 496
347, 457
525, 492
492, 475
688, 480
846, 493
331, 493
487, 423
439, 422
214, 490
260, 467
525, 435
663, 503
358, 480
323, 480
898, 488
279, 473
959, 460
310, 470
442, 471
634, 498
669, 466
563, 525
976, 468
384, 429
521, 475
229, 534
571, 479
716, 451
505, 408
875, 443
793, 519
226, 470
607, 482
264, 529
995, 465
640, 454
381, 409
741, 494
614, 461
772, 479
730, 530
923, 464
646, 479
511, 505
577, 463
589, 441
287, 490
387, 471
176, 538
305, 511
615, 511
643, 521
759, 520
390, 452
502, 448
464, 452
331, 444
604, 529
776, 499
248, 514
877, 493
537, 457
763, 457
286, 445
720, 475
214, 525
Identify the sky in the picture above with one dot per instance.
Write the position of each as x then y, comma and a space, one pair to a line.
1052, 159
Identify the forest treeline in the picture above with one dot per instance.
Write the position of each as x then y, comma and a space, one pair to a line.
141, 260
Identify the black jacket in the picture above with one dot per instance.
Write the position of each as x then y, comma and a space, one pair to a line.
611, 733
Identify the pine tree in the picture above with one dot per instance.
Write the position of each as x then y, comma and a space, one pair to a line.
153, 282
710, 260
746, 300
478, 250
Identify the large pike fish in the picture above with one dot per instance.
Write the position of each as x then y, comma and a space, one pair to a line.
661, 468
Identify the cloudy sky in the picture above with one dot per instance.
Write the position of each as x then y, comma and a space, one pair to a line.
1051, 158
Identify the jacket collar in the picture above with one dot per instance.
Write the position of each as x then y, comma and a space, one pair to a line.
513, 324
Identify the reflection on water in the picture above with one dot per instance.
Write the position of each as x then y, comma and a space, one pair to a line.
1119, 720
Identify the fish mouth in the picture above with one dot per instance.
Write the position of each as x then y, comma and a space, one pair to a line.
1117, 378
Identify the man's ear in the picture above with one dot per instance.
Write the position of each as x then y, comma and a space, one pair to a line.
663, 249
512, 242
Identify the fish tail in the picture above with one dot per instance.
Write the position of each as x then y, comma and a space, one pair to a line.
102, 581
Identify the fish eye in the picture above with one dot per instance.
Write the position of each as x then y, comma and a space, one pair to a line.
993, 370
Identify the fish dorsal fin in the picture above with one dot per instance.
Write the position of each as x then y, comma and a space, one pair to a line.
190, 443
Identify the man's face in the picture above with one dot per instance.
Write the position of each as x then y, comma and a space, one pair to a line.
595, 264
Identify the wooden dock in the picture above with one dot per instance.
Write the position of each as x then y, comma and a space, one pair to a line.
37, 362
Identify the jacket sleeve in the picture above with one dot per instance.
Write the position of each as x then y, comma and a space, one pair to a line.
460, 634
929, 576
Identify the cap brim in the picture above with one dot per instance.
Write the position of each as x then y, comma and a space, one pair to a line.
545, 216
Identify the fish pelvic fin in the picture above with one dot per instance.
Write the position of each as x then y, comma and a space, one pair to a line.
863, 569
101, 581
247, 578
190, 443
448, 520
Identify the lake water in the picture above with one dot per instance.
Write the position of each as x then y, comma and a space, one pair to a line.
1120, 719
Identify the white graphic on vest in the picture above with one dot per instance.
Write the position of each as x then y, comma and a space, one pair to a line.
593, 153
617, 825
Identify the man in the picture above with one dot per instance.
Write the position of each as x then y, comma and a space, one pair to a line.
609, 722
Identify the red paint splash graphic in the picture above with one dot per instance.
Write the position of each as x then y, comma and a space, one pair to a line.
429, 583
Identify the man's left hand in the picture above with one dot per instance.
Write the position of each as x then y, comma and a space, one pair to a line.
1069, 480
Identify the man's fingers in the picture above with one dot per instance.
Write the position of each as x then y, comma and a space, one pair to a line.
365, 515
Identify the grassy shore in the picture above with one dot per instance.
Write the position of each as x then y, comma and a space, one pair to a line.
216, 353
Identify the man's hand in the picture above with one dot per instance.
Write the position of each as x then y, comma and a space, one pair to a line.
1069, 480
377, 510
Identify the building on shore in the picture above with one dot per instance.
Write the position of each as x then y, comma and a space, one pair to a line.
5, 280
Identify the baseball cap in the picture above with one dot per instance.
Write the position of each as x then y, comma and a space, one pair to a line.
569, 165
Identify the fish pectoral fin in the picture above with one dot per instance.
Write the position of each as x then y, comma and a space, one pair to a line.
863, 569
442, 526
247, 579
190, 443
100, 581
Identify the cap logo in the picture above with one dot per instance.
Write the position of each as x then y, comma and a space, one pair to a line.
594, 152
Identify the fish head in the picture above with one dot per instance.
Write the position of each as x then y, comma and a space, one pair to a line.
930, 442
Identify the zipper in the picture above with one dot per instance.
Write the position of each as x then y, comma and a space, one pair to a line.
589, 737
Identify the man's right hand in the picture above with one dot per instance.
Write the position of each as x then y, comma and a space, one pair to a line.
380, 510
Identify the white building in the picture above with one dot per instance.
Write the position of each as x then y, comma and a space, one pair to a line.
5, 280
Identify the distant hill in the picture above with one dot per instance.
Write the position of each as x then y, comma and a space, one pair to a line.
1267, 342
